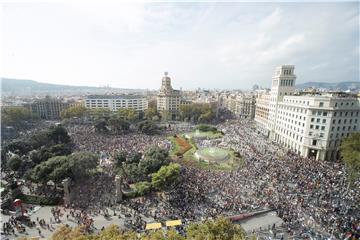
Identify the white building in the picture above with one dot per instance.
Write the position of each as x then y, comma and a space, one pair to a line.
116, 102
311, 124
169, 99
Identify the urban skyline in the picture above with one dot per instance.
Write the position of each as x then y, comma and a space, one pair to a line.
207, 45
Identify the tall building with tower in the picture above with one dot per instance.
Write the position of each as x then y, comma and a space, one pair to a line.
311, 124
168, 99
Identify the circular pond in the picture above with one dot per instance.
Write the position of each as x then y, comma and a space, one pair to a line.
212, 154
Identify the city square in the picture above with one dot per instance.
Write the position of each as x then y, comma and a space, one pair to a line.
180, 121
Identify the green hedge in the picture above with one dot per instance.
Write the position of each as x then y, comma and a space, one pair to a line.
38, 200
206, 128
132, 194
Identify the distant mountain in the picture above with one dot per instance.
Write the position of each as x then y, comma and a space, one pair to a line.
21, 87
341, 86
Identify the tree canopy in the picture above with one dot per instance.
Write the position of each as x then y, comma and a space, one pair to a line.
350, 153
166, 176
197, 112
16, 116
219, 229
73, 111
76, 166
148, 127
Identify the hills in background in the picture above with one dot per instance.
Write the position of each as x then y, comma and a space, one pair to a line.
341, 86
20, 87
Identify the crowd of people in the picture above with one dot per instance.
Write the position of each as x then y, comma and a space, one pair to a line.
86, 139
310, 196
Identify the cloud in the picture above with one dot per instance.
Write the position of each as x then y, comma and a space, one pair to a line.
210, 45
272, 20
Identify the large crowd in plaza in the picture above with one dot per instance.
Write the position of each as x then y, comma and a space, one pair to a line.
308, 195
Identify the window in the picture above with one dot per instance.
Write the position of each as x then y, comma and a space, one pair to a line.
322, 127
317, 127
324, 113
312, 119
324, 121
314, 142
318, 120
321, 134
311, 126
334, 114
321, 104
335, 104
334, 121
333, 128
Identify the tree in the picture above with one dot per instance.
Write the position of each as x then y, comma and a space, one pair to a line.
101, 125
221, 228
133, 172
58, 135
350, 153
166, 176
134, 157
151, 113
142, 188
148, 127
118, 125
82, 164
99, 112
68, 233
128, 114
14, 162
154, 159
197, 112
40, 139
78, 111
43, 172
76, 166
120, 158
20, 147
15, 116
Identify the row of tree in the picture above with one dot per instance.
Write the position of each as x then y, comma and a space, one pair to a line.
220, 228
126, 114
197, 113
17, 117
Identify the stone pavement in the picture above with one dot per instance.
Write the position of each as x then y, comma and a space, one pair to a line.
45, 213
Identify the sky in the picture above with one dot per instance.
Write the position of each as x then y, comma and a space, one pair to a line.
231, 45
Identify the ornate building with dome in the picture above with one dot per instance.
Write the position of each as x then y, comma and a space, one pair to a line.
168, 99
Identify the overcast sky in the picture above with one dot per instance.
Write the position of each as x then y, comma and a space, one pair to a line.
207, 45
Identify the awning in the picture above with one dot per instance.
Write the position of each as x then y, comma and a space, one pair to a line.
150, 226
173, 223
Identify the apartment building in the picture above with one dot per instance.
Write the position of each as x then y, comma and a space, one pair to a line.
116, 102
309, 123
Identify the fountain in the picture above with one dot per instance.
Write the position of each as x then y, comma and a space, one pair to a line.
212, 154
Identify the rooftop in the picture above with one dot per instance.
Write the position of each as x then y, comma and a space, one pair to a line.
114, 96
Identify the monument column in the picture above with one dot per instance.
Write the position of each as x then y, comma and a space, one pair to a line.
118, 182
66, 184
